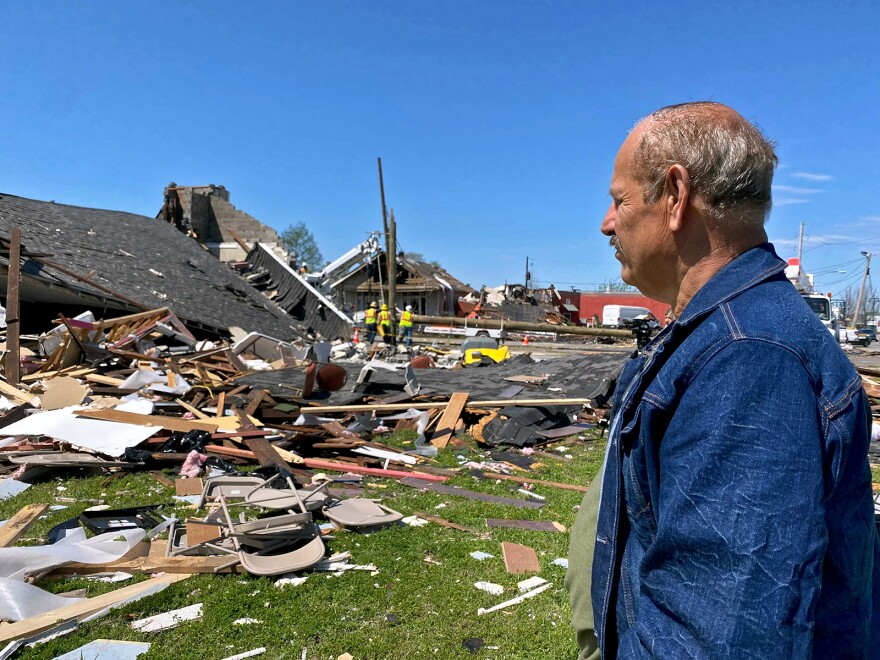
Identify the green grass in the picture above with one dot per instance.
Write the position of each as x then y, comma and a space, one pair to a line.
412, 608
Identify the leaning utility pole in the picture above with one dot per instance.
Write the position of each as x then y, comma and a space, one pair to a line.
391, 260
384, 221
861, 297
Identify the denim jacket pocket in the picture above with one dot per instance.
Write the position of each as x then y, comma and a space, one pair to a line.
639, 507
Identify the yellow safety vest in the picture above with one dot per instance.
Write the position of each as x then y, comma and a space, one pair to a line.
370, 318
406, 319
384, 318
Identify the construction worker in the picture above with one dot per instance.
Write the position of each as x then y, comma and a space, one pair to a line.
370, 322
385, 324
406, 325
304, 269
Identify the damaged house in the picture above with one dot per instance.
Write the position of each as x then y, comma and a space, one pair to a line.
76, 258
431, 290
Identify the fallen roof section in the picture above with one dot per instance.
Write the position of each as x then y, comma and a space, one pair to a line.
297, 297
125, 261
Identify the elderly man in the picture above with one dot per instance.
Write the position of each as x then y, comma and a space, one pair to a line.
735, 515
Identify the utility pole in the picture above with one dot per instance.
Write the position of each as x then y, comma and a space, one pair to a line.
391, 260
801, 250
861, 297
388, 245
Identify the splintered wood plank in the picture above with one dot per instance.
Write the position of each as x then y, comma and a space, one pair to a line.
265, 453
520, 558
16, 526
446, 523
253, 402
195, 411
446, 426
530, 525
162, 479
539, 482
469, 494
171, 423
188, 486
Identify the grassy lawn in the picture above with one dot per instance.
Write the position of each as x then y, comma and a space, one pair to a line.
420, 603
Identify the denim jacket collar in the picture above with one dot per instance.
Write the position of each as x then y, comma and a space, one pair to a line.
748, 269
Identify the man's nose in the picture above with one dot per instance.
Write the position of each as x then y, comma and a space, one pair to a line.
608, 221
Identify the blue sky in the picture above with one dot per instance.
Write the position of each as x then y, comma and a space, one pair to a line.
497, 122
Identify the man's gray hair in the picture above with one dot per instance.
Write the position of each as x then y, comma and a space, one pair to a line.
729, 160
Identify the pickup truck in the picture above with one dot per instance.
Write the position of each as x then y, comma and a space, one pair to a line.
850, 336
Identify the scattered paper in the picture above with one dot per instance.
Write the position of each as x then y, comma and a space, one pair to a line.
290, 582
415, 521
245, 621
561, 561
490, 587
479, 555
168, 620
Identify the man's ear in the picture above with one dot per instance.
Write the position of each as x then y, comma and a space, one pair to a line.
676, 195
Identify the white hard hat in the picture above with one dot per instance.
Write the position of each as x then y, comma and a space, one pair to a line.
409, 308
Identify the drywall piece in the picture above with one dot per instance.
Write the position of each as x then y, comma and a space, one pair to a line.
11, 488
107, 649
168, 620
530, 583
61, 392
111, 438
490, 587
156, 381
386, 455
520, 558
514, 601
469, 494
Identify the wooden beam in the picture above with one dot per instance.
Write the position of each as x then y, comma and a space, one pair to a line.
530, 525
265, 453
319, 464
446, 426
82, 609
423, 405
153, 563
539, 482
170, 423
424, 484
16, 526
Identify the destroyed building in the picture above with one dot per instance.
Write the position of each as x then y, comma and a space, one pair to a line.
430, 289
76, 258
205, 213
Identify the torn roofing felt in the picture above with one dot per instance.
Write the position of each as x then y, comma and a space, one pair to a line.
136, 257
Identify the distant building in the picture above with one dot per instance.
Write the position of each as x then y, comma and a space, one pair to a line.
581, 307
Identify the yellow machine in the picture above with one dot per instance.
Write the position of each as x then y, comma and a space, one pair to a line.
483, 350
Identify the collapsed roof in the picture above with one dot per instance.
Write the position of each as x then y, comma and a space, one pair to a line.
124, 261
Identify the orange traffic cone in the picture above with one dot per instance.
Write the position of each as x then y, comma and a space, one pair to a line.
356, 338
525, 340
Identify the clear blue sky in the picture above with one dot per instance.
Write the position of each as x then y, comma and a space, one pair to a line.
497, 122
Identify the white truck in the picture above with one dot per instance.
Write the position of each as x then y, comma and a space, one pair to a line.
821, 305
621, 316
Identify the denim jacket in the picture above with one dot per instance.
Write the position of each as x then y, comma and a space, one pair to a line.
736, 517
